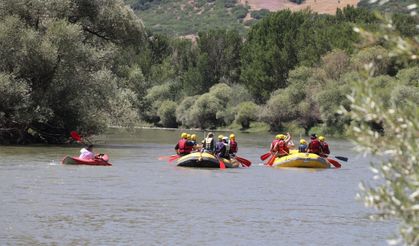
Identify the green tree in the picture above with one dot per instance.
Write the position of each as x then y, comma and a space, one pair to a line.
167, 113
285, 39
62, 53
397, 195
246, 112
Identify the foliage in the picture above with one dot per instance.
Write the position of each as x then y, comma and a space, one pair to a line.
259, 14
167, 113
397, 140
246, 112
183, 17
285, 39
59, 64
394, 6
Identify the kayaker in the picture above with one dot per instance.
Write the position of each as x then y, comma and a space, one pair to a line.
87, 153
314, 146
220, 147
325, 146
233, 145
208, 144
303, 146
184, 147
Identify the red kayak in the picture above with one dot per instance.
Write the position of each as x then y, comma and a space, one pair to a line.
102, 161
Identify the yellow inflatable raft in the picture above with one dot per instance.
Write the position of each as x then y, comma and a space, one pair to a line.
304, 160
204, 160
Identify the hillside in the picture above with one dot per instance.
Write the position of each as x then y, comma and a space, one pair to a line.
187, 17
320, 6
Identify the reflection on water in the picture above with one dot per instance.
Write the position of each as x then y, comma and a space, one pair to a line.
143, 201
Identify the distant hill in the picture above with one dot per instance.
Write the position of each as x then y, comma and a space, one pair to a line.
393, 6
320, 6
188, 17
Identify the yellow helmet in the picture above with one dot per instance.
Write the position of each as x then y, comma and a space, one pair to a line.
303, 141
321, 139
281, 136
193, 137
278, 136
184, 135
232, 136
220, 136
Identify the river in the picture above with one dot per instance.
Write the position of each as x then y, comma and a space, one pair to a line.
143, 201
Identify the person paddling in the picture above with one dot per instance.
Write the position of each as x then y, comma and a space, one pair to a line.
233, 145
208, 144
87, 153
303, 146
325, 146
194, 142
274, 144
220, 147
184, 147
288, 141
315, 146
282, 146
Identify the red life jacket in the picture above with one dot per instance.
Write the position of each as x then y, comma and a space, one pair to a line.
325, 148
233, 146
315, 147
283, 148
274, 145
188, 148
183, 148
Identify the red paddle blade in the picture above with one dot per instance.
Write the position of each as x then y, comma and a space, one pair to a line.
265, 156
164, 158
75, 135
271, 161
243, 161
334, 163
173, 158
222, 165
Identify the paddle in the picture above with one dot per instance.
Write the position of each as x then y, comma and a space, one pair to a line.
173, 158
222, 165
167, 157
265, 156
334, 163
271, 161
77, 137
342, 158
243, 161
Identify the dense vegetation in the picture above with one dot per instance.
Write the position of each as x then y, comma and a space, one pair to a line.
393, 106
72, 68
58, 70
399, 6
183, 17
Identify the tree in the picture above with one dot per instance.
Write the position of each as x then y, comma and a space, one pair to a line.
167, 113
397, 195
61, 52
246, 112
284, 40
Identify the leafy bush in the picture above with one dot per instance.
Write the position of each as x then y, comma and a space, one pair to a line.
167, 113
246, 112
259, 14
